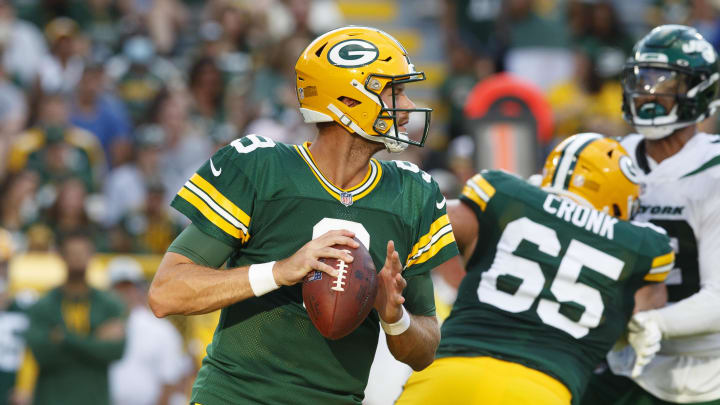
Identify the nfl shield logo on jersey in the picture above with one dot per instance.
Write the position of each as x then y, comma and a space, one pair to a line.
346, 199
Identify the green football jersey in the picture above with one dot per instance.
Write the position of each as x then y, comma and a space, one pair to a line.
550, 283
267, 200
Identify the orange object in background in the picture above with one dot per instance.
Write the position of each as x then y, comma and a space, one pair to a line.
511, 123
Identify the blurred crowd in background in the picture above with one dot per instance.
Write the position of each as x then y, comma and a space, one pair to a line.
108, 106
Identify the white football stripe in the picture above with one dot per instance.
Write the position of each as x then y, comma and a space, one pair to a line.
478, 191
662, 269
439, 234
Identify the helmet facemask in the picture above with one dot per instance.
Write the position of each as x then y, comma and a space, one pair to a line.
386, 124
670, 81
671, 94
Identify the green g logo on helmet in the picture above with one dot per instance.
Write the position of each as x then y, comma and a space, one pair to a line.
670, 81
353, 53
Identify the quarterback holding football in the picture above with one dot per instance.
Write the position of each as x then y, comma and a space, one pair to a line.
273, 212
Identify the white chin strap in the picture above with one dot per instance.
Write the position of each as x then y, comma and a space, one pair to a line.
391, 145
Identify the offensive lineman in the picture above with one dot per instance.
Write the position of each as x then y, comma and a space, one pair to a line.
272, 210
670, 84
550, 281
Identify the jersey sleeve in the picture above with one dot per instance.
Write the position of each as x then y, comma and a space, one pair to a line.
662, 256
420, 295
436, 242
477, 193
219, 197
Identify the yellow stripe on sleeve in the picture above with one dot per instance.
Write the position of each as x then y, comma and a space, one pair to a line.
656, 277
220, 199
661, 267
663, 260
212, 216
425, 239
479, 190
484, 185
445, 240
472, 195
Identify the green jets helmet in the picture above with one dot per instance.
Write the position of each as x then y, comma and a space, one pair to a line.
670, 81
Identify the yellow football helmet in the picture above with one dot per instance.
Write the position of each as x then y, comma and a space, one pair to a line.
591, 168
357, 62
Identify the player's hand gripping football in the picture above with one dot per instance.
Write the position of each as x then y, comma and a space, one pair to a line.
293, 269
391, 283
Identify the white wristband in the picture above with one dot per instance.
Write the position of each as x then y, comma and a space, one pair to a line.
261, 278
398, 327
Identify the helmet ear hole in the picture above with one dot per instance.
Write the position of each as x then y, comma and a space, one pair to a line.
617, 212
350, 102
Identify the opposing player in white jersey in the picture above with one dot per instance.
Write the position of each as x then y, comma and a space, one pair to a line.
669, 86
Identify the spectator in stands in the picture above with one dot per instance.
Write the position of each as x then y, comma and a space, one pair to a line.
18, 207
75, 333
474, 24
537, 45
13, 115
151, 228
68, 213
100, 22
139, 75
125, 188
13, 323
236, 22
98, 111
63, 68
185, 148
606, 40
163, 19
207, 92
466, 69
587, 103
154, 362
24, 46
57, 150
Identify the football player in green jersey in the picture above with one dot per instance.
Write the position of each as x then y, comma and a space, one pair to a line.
551, 278
271, 211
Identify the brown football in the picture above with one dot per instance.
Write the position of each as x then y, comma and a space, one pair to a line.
338, 305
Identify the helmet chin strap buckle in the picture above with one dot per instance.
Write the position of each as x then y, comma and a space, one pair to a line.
345, 120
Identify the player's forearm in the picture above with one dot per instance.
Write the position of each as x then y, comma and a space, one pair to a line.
416, 346
183, 287
695, 315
